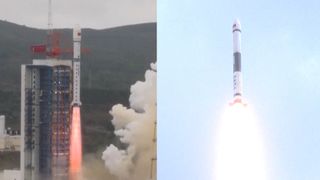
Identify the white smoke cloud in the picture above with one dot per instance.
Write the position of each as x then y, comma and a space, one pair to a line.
135, 126
98, 172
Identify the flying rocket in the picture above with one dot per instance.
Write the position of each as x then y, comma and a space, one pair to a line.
76, 66
237, 75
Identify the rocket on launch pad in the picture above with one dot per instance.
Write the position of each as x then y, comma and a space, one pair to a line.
76, 66
75, 135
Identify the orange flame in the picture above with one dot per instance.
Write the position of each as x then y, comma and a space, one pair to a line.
75, 142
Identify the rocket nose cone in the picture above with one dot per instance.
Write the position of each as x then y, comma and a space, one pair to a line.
77, 28
236, 25
77, 32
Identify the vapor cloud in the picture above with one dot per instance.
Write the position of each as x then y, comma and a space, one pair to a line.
135, 126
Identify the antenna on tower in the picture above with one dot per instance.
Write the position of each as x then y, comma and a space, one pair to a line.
52, 49
50, 17
53, 38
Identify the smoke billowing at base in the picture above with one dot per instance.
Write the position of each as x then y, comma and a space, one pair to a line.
136, 128
93, 168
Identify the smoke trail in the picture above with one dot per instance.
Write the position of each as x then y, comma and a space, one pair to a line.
135, 127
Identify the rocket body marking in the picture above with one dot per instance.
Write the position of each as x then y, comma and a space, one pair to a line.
76, 66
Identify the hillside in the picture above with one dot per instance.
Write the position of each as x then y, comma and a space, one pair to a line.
118, 57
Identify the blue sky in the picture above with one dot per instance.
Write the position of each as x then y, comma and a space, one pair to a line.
281, 71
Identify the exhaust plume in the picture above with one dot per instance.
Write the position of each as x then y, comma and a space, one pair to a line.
240, 151
135, 126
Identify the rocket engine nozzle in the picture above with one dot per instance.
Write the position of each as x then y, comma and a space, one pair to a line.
238, 100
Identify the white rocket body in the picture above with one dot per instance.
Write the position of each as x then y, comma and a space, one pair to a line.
76, 66
237, 75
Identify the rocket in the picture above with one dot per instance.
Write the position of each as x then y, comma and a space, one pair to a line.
76, 66
237, 75
75, 146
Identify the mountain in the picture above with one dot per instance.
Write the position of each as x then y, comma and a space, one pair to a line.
117, 58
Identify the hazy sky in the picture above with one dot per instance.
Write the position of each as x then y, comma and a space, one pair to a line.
281, 70
87, 13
